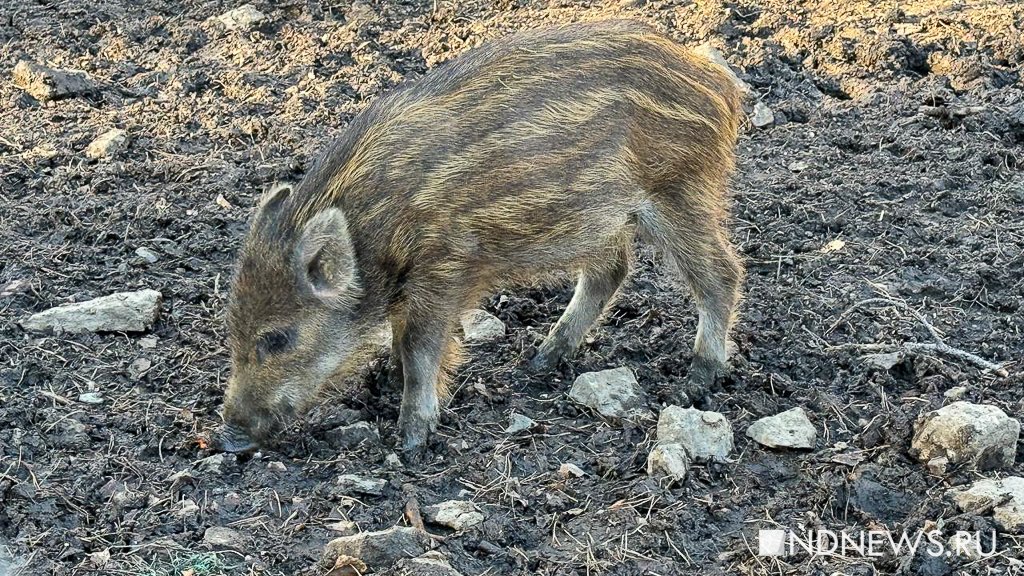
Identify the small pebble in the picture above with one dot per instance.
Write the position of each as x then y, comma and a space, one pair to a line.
90, 398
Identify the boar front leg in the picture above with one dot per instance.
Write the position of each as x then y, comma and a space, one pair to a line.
421, 350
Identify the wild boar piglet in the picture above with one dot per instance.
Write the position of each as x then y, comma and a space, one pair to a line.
544, 152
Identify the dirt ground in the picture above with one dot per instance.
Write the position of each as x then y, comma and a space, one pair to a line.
899, 131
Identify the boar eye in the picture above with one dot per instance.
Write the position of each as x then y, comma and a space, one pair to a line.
274, 342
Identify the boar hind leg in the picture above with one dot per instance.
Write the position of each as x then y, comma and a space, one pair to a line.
396, 376
597, 285
698, 250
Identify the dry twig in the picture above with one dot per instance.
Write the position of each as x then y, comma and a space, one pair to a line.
939, 346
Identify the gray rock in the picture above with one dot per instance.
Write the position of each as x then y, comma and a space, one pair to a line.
220, 537
430, 564
789, 429
481, 326
277, 467
455, 514
799, 166
379, 550
121, 312
90, 398
977, 435
70, 433
108, 145
1009, 515
612, 393
352, 484
16, 286
762, 115
668, 461
46, 84
211, 464
704, 435
884, 361
242, 18
353, 435
147, 254
139, 367
517, 423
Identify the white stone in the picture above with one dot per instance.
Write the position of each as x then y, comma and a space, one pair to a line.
277, 467
455, 514
762, 115
612, 393
107, 145
955, 393
121, 312
1009, 515
379, 549
90, 398
97, 559
978, 435
799, 166
789, 429
241, 18
481, 326
668, 461
222, 537
569, 469
517, 423
704, 435
344, 527
147, 254
353, 484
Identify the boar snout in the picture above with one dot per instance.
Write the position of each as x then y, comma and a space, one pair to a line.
236, 440
249, 424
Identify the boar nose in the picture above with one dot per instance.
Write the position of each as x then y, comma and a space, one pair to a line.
235, 439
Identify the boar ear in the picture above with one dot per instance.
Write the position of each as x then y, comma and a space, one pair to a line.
274, 197
326, 257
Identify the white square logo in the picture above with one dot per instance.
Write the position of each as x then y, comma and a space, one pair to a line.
771, 542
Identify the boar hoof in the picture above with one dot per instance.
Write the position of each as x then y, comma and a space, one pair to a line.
703, 378
545, 360
414, 434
